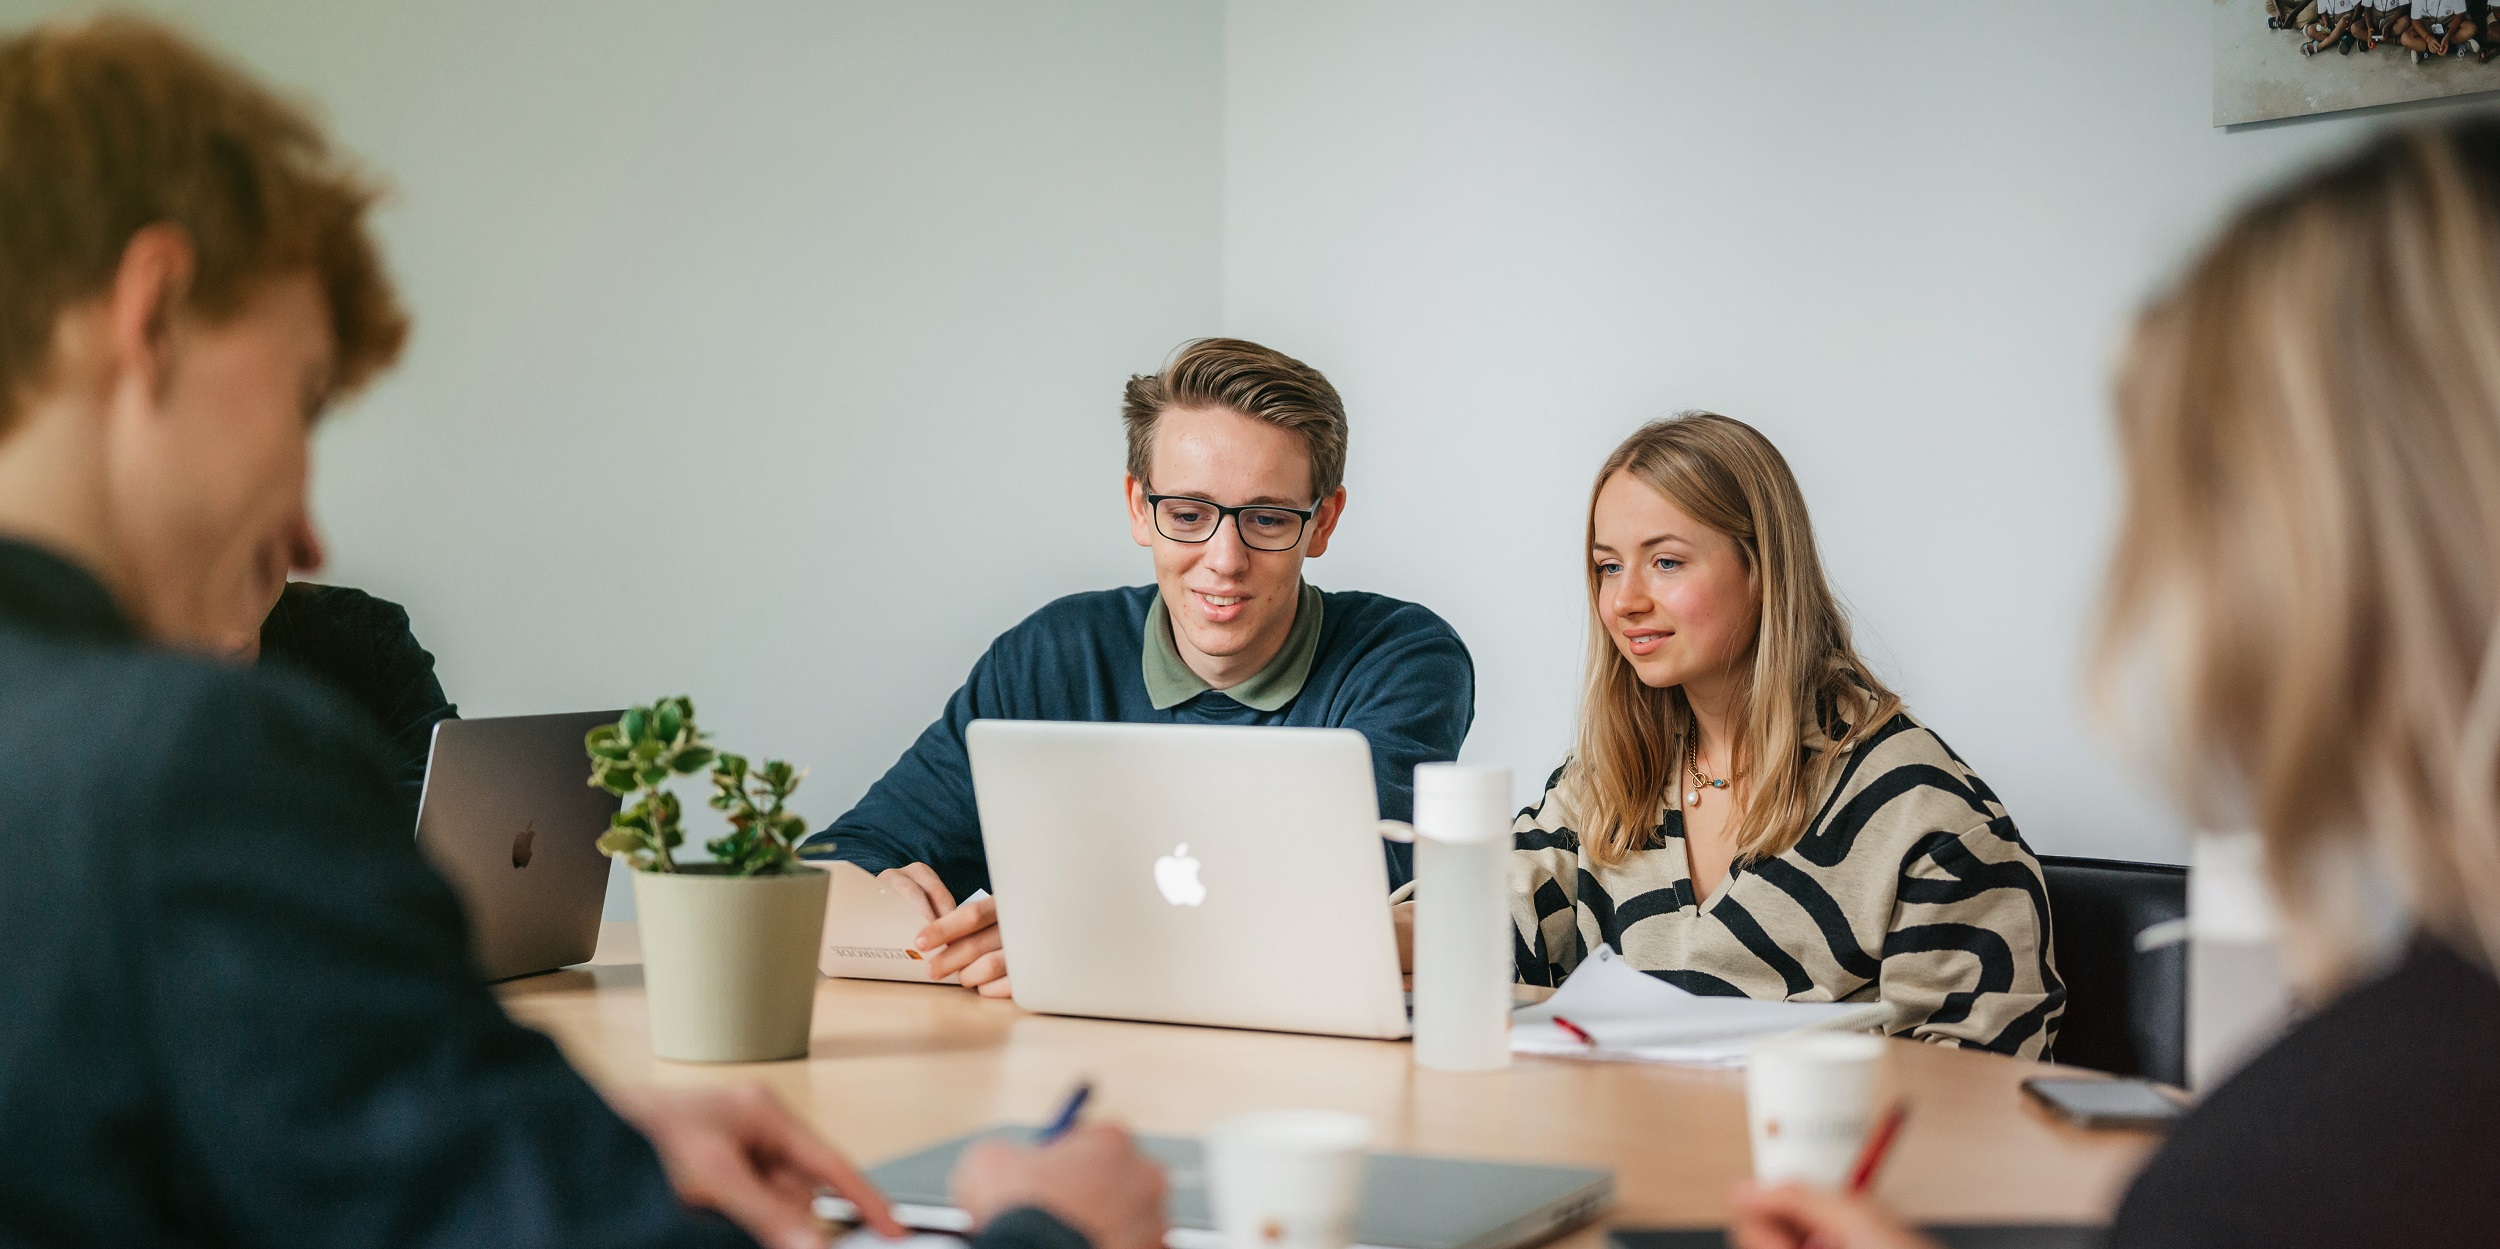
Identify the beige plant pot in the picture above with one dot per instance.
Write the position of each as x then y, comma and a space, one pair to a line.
729, 962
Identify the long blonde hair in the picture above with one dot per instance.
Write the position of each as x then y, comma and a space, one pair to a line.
1804, 680
2310, 553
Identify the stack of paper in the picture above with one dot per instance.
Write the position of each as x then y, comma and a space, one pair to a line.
1635, 1017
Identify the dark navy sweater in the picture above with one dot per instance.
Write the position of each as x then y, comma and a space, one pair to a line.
1391, 670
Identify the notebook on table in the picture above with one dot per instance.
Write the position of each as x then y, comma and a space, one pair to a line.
1620, 1014
869, 929
1950, 1235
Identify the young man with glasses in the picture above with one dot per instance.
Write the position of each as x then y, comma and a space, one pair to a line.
1236, 464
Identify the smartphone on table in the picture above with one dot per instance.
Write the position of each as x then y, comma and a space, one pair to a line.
2106, 1103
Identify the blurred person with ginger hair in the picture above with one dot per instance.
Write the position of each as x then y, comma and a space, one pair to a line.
240, 1008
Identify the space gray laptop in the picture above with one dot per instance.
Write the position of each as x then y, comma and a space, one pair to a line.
1409, 1201
1190, 874
508, 817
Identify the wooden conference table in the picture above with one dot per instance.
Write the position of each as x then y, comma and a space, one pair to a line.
895, 1067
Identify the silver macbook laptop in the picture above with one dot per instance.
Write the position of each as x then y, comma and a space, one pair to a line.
1409, 1201
1190, 874
507, 816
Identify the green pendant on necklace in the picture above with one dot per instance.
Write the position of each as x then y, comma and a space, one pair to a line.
1692, 764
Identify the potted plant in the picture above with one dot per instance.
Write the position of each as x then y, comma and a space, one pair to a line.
728, 946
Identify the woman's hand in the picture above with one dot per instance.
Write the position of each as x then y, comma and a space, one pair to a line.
1793, 1216
739, 1151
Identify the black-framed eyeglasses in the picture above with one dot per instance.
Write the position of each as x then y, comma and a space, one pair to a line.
1262, 526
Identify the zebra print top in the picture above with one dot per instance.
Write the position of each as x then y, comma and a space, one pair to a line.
1911, 887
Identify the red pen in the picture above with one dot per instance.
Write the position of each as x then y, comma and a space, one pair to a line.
1871, 1158
1577, 1032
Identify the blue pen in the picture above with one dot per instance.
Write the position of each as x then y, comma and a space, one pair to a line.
1067, 1113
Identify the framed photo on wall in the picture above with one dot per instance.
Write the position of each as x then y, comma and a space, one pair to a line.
2290, 58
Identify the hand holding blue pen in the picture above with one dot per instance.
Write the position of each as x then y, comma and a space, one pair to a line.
1066, 1118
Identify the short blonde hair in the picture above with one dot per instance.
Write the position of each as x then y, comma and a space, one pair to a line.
1240, 376
111, 125
2310, 550
1804, 679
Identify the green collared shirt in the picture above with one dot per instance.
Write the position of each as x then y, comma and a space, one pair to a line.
1169, 682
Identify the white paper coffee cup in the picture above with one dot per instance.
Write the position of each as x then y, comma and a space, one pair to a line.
1287, 1179
1810, 1104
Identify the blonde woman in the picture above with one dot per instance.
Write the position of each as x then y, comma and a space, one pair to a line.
1749, 811
2310, 561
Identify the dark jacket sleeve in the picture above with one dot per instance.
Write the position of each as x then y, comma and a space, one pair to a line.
409, 701
334, 1071
1029, 1228
1413, 696
921, 810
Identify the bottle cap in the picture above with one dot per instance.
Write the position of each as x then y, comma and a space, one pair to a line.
1461, 802
1462, 780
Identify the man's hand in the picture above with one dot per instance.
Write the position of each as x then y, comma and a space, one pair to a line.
972, 948
919, 883
1793, 1216
1402, 922
1093, 1179
960, 940
739, 1151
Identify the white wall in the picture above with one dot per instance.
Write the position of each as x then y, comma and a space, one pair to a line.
765, 352
1902, 240
769, 351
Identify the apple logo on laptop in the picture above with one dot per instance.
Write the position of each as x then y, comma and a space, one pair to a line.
521, 844
1176, 874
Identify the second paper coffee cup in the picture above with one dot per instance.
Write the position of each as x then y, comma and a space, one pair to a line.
1287, 1179
1810, 1104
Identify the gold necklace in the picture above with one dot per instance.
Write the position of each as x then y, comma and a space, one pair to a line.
1692, 763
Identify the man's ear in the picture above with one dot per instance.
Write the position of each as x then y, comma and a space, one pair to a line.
148, 291
1324, 524
1141, 523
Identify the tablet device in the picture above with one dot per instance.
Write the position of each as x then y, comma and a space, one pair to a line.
1409, 1201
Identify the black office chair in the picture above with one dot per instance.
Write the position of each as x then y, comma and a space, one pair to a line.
2126, 1009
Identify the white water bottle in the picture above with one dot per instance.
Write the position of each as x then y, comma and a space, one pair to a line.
1462, 918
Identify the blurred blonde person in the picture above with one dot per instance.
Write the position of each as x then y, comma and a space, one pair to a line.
2309, 563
